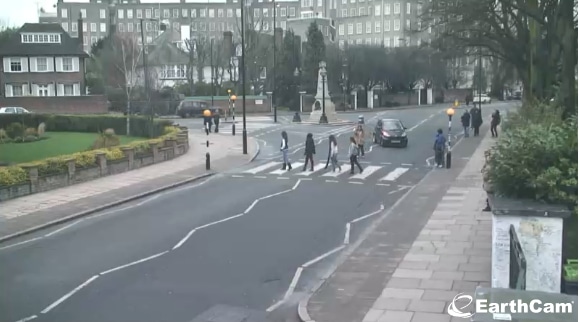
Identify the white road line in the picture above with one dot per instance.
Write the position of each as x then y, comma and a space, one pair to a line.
237, 176
394, 175
323, 256
282, 178
261, 167
355, 182
297, 184
366, 172
280, 171
347, 234
219, 221
28, 318
429, 162
369, 215
293, 284
69, 294
333, 181
21, 243
316, 168
417, 125
133, 263
261, 177
275, 306
407, 164
400, 189
63, 228
184, 239
335, 174
386, 163
251, 206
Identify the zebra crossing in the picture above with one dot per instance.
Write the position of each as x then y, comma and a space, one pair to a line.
380, 174
254, 123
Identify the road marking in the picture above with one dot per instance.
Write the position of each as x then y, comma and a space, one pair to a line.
336, 173
317, 168
347, 234
69, 294
237, 176
394, 175
383, 184
400, 189
28, 318
293, 165
297, 184
261, 177
381, 208
261, 167
133, 263
323, 256
355, 182
184, 239
366, 172
333, 181
219, 221
407, 164
282, 178
63, 228
386, 163
251, 206
294, 283
21, 243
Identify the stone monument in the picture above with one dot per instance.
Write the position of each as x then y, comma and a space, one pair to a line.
317, 107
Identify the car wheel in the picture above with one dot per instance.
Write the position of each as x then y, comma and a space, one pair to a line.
382, 142
404, 145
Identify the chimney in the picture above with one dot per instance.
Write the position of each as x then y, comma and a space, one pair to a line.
81, 32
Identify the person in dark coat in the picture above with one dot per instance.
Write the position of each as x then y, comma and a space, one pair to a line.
207, 123
330, 139
465, 122
495, 120
467, 99
477, 122
439, 148
309, 152
216, 120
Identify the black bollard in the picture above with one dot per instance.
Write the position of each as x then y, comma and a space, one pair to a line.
448, 160
207, 143
296, 118
207, 161
233, 128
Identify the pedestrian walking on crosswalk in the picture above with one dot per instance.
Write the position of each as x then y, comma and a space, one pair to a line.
309, 152
284, 150
359, 135
353, 151
439, 147
334, 154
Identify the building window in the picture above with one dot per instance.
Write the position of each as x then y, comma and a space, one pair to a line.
283, 24
202, 26
41, 64
184, 13
407, 41
238, 13
220, 13
93, 40
129, 13
93, 27
73, 26
103, 14
202, 13
175, 26
139, 14
121, 27
83, 13
359, 41
265, 12
362, 11
377, 26
130, 27
63, 13
17, 90
193, 13
353, 12
68, 90
350, 29
344, 13
369, 41
387, 9
230, 13
121, 14
85, 29
156, 13
15, 65
194, 26
397, 8
408, 24
283, 12
42, 90
378, 10
368, 27
103, 27
359, 28
41, 38
166, 13
397, 25
341, 30
211, 26
429, 30
64, 26
292, 12
148, 13
387, 25
408, 8
256, 13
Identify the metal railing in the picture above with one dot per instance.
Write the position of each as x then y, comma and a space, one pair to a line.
518, 265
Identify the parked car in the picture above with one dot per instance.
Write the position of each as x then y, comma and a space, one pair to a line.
390, 132
485, 99
13, 110
191, 108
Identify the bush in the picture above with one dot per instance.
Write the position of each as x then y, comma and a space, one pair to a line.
30, 132
16, 174
41, 129
14, 130
107, 139
140, 126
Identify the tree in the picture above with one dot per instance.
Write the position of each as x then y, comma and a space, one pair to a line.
370, 66
479, 79
537, 38
6, 31
314, 53
288, 63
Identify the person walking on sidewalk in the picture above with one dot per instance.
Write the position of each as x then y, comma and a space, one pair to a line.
477, 122
439, 147
353, 152
465, 121
216, 120
309, 152
359, 134
284, 149
334, 153
495, 120
329, 151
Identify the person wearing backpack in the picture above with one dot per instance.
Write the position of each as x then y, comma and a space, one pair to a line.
309, 152
495, 120
439, 147
353, 151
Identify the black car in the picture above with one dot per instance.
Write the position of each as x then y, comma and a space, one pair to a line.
191, 108
390, 132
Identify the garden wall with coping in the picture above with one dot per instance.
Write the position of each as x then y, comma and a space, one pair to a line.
165, 150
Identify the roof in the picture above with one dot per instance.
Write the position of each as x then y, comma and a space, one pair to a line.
67, 45
163, 50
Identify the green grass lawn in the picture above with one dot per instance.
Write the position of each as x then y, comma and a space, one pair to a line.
58, 143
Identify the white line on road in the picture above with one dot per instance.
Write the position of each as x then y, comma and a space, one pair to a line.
294, 282
133, 263
62, 228
219, 221
400, 189
297, 184
323, 256
347, 234
28, 318
69, 294
251, 206
381, 208
21, 243
184, 239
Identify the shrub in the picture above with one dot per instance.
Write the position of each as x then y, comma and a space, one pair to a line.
107, 139
12, 175
14, 130
41, 129
3, 135
30, 132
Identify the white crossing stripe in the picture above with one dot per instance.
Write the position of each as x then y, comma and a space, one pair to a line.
295, 165
317, 167
262, 167
345, 168
366, 172
394, 175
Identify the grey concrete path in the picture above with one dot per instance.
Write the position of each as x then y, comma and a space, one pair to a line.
387, 279
32, 210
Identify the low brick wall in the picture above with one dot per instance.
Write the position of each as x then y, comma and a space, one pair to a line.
169, 150
89, 104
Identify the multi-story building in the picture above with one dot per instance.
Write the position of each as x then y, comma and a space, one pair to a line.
43, 67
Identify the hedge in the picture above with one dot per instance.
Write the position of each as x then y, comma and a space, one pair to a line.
16, 174
140, 126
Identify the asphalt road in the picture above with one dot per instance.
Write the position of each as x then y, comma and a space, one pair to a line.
252, 243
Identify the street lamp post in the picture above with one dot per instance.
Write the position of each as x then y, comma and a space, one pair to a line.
233, 100
450, 113
480, 77
146, 75
243, 65
211, 71
274, 67
323, 118
229, 104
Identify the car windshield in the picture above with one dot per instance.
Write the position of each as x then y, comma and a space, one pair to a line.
392, 125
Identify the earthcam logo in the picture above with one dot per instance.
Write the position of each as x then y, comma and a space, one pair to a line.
459, 307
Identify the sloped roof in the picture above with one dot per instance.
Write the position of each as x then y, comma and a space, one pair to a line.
67, 45
163, 50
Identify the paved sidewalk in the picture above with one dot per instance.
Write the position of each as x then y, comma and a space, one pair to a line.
29, 211
451, 255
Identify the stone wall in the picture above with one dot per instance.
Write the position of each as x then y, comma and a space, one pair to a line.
168, 150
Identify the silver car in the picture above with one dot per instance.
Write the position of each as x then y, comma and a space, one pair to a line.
13, 110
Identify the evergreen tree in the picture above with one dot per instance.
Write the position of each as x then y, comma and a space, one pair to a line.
287, 94
315, 51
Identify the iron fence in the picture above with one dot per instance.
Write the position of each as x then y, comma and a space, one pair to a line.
518, 265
